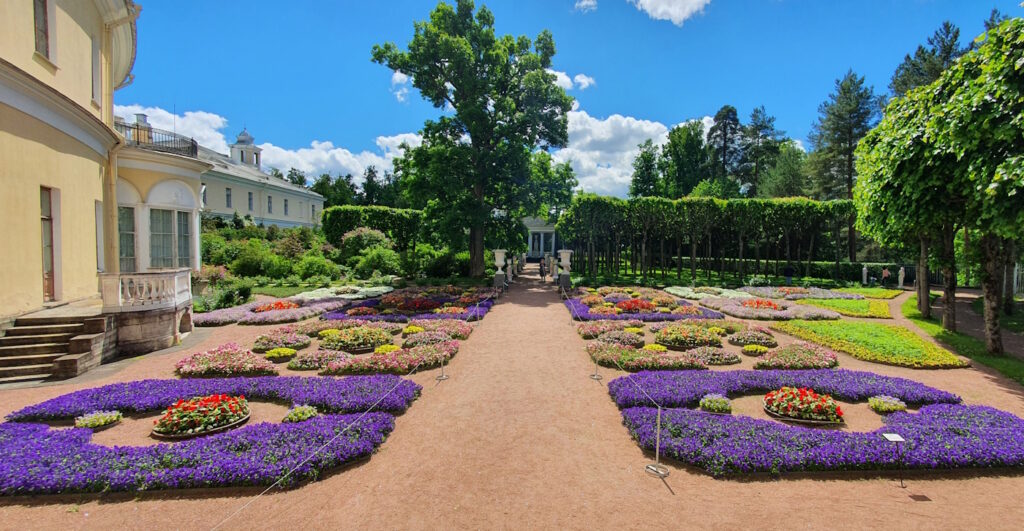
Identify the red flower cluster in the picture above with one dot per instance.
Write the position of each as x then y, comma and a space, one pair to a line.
803, 403
200, 414
276, 305
761, 304
418, 305
635, 306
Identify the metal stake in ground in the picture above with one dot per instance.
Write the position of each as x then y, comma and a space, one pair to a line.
595, 376
656, 468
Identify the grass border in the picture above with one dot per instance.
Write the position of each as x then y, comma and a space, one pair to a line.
963, 344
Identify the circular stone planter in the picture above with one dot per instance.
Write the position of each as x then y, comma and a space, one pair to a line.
281, 359
182, 436
98, 429
808, 422
677, 348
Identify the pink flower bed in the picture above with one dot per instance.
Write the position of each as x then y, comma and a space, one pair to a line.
226, 360
397, 362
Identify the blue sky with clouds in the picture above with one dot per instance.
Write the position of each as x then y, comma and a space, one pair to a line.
298, 74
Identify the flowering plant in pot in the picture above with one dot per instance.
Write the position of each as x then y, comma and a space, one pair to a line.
356, 339
203, 414
803, 404
635, 306
98, 420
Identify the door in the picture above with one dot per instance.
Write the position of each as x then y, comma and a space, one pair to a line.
46, 221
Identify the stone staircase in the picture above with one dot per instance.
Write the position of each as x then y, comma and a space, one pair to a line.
29, 349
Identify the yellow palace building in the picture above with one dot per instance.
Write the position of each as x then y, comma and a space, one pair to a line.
101, 219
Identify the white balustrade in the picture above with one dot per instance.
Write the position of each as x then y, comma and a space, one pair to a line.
136, 292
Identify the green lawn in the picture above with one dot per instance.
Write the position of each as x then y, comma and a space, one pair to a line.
852, 307
965, 345
1013, 323
873, 293
874, 342
280, 291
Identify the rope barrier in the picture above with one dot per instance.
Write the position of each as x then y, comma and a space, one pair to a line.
317, 451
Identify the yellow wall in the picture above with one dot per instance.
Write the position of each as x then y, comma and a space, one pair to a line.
298, 205
74, 23
145, 180
35, 154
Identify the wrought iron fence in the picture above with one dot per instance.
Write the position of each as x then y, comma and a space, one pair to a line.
147, 137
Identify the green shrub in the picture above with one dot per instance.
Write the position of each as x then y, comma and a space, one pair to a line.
315, 265
251, 258
354, 242
275, 266
379, 259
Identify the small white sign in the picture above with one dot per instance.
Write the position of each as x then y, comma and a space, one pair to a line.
893, 437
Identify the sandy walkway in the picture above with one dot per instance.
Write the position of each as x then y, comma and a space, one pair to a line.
520, 437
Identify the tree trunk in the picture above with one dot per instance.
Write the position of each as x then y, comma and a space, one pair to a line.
991, 282
679, 257
693, 261
1010, 254
923, 296
810, 256
662, 264
949, 278
476, 250
740, 253
853, 238
967, 257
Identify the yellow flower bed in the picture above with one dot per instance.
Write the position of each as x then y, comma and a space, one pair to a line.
874, 342
852, 307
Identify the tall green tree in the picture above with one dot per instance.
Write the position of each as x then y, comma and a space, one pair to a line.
646, 180
684, 159
927, 64
850, 111
337, 191
724, 142
553, 184
760, 145
504, 106
373, 189
296, 177
788, 176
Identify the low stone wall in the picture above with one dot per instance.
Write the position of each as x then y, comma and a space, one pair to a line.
143, 332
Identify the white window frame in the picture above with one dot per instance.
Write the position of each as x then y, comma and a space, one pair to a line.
286, 206
175, 254
250, 202
227, 197
270, 204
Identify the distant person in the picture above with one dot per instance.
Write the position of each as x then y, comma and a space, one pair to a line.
788, 273
542, 272
885, 275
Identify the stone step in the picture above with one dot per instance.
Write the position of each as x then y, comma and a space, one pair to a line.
55, 320
29, 359
24, 378
35, 330
41, 370
8, 341
38, 348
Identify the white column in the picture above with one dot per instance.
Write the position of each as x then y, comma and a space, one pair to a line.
142, 238
196, 237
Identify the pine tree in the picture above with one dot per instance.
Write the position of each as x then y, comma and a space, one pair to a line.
760, 147
927, 63
788, 176
850, 112
724, 141
684, 159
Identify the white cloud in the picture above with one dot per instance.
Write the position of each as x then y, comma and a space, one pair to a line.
676, 11
586, 5
320, 157
580, 81
400, 86
583, 81
561, 79
203, 126
601, 150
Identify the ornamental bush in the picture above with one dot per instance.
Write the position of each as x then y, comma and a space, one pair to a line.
798, 356
622, 337
356, 339
714, 356
98, 419
226, 360
753, 337
682, 337
280, 354
754, 350
884, 405
300, 413
715, 403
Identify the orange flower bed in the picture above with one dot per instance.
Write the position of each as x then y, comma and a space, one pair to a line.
761, 304
276, 305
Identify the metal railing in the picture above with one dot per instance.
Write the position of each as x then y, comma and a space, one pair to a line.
137, 292
153, 139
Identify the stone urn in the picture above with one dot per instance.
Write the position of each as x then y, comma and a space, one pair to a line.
563, 257
499, 260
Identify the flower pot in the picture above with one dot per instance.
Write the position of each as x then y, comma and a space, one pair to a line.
808, 422
281, 359
105, 426
181, 436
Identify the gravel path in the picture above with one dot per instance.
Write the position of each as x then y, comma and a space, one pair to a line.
520, 437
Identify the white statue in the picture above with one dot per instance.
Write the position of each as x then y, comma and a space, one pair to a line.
902, 274
864, 275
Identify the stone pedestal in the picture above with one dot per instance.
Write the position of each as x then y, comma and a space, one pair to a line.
565, 282
499, 281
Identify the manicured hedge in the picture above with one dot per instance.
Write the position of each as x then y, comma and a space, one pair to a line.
399, 224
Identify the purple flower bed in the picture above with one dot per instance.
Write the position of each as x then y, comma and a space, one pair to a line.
346, 395
685, 388
939, 436
581, 312
244, 315
36, 459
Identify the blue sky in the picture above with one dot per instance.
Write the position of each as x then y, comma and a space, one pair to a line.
297, 74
